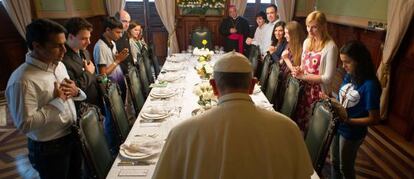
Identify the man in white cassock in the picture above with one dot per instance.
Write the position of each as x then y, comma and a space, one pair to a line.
236, 139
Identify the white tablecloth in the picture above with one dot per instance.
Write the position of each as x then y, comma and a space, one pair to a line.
181, 105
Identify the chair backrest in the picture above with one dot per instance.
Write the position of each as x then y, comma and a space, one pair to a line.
135, 89
322, 128
143, 76
291, 96
147, 64
265, 71
272, 82
254, 56
117, 110
154, 58
198, 35
94, 146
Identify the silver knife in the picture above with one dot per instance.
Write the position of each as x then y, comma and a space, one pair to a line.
133, 163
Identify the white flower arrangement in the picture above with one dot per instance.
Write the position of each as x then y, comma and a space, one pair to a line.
204, 69
216, 4
204, 91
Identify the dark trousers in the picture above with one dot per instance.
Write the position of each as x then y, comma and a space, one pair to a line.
58, 158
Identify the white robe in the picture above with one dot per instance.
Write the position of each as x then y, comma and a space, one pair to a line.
236, 139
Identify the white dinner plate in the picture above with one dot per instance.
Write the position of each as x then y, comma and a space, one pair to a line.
169, 77
172, 68
154, 116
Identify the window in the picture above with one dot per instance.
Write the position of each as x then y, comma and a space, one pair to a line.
251, 1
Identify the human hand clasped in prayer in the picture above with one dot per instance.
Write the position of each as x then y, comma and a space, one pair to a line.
58, 92
272, 49
89, 66
69, 88
298, 72
121, 56
249, 41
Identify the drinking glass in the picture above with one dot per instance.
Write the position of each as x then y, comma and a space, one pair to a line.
190, 49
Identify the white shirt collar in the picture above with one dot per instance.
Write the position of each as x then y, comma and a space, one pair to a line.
39, 64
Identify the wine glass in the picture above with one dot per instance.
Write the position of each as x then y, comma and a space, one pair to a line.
216, 49
190, 49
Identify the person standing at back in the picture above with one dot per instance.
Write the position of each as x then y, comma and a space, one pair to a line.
108, 59
260, 36
123, 42
317, 69
359, 94
272, 17
78, 61
235, 30
279, 42
40, 98
106, 55
236, 139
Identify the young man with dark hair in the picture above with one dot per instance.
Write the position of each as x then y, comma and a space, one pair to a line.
40, 96
108, 59
106, 55
78, 61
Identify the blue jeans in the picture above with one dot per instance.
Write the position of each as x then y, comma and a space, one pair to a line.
343, 155
58, 158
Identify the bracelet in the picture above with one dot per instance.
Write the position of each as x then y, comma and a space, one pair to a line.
115, 63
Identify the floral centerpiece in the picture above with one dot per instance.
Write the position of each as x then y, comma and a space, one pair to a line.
200, 6
204, 69
204, 58
204, 91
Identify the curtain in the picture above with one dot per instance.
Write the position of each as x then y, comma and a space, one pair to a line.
166, 10
20, 13
286, 9
240, 6
113, 6
399, 17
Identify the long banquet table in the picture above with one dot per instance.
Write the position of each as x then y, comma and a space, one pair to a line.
181, 105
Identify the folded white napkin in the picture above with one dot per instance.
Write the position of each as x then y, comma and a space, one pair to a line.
162, 91
169, 77
142, 147
156, 109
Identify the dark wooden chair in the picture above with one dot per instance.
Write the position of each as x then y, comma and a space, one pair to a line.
94, 146
322, 128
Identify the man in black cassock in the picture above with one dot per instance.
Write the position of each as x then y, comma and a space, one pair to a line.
235, 30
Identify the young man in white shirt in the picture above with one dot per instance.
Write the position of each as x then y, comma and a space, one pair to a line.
40, 98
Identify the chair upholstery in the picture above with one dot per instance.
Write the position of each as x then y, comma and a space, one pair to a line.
254, 56
198, 35
94, 146
135, 89
147, 64
322, 128
143, 76
117, 110
272, 82
291, 97
155, 61
265, 71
